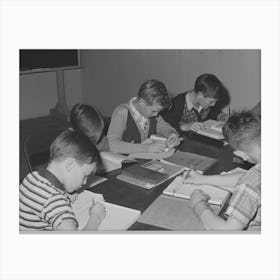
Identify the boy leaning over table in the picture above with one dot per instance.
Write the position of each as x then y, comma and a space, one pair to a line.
46, 196
243, 132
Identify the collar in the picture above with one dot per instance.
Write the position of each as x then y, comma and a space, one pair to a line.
51, 178
138, 117
190, 104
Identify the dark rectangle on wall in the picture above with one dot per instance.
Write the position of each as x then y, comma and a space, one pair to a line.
48, 59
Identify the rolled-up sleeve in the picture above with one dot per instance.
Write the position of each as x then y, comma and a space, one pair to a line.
164, 128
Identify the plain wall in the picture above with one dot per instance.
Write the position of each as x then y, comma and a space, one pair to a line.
38, 92
111, 77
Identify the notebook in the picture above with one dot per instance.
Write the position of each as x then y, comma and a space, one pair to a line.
190, 160
177, 188
150, 174
112, 161
212, 129
158, 156
117, 217
142, 177
93, 180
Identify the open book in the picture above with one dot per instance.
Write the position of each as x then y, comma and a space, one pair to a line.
117, 217
191, 160
112, 161
93, 180
150, 174
178, 189
212, 129
158, 156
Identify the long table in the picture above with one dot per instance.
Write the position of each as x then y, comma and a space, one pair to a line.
125, 194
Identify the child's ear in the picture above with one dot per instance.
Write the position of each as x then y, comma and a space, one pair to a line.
69, 164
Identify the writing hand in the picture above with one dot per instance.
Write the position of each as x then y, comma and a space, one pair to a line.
97, 210
193, 177
173, 140
198, 196
157, 147
196, 126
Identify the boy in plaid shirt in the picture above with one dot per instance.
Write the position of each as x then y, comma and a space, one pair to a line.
243, 132
191, 108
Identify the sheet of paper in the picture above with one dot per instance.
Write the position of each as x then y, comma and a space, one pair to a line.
178, 189
117, 217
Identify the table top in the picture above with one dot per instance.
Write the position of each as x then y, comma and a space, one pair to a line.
128, 195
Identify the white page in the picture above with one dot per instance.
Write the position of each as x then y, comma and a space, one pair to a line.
117, 217
178, 189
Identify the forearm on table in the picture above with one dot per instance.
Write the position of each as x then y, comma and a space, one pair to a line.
227, 181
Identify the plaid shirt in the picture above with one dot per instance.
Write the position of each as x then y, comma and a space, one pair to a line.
245, 203
190, 114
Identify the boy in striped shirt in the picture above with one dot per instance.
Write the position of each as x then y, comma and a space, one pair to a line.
45, 195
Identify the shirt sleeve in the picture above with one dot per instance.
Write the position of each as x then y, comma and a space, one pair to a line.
244, 203
164, 128
115, 134
56, 209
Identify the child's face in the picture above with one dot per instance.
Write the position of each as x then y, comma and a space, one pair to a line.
149, 111
253, 152
204, 101
76, 175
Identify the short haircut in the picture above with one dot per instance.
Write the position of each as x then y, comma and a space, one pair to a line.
154, 93
71, 144
88, 121
209, 85
241, 129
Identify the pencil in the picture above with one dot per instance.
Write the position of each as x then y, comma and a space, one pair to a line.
186, 175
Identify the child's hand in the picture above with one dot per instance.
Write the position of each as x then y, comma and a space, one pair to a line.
198, 196
148, 141
194, 178
73, 197
97, 210
173, 140
156, 147
196, 126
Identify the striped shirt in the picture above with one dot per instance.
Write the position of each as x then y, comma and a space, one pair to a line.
245, 203
43, 203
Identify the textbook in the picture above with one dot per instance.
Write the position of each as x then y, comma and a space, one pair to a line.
190, 160
158, 156
117, 217
150, 174
218, 196
212, 129
93, 180
112, 161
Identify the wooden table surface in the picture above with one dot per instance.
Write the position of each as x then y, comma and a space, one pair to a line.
125, 194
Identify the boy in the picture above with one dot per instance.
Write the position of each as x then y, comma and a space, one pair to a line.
45, 196
133, 123
243, 132
194, 106
88, 121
